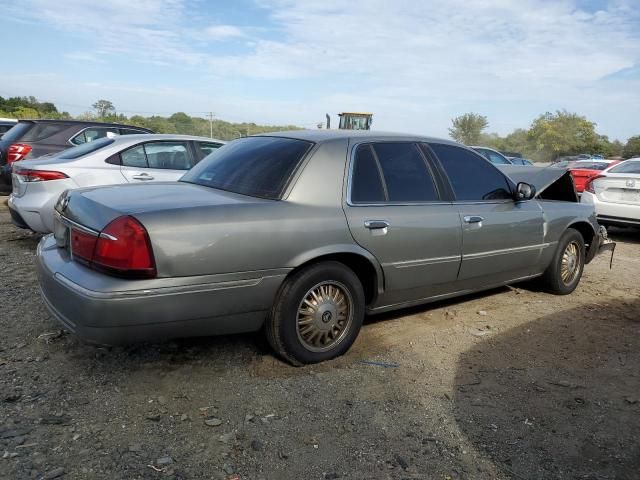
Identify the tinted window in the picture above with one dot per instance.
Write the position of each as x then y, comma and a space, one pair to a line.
626, 167
256, 166
405, 173
590, 166
167, 155
131, 131
91, 134
493, 157
77, 152
41, 131
17, 131
205, 148
134, 157
471, 177
366, 186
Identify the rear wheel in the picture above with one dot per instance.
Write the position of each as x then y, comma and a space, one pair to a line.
564, 273
317, 314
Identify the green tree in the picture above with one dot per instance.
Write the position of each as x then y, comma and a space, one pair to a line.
468, 128
632, 148
562, 133
104, 108
25, 113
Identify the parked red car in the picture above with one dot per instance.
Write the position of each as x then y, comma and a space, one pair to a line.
582, 171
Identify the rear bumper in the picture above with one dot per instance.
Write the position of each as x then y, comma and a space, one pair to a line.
17, 219
610, 213
112, 311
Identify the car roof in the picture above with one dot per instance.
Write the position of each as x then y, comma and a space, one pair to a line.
80, 122
320, 136
162, 136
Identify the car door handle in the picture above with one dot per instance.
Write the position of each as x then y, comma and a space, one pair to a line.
376, 224
473, 219
142, 176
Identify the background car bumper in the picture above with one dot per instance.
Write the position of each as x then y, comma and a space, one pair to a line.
114, 316
613, 213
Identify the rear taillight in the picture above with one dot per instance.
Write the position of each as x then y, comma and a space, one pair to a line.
123, 248
17, 152
588, 187
28, 175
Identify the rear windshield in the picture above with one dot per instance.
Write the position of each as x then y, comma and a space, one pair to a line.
40, 131
590, 166
255, 166
626, 167
84, 149
17, 131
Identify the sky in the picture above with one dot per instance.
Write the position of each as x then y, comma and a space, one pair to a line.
414, 64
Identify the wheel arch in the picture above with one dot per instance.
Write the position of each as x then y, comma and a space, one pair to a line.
360, 261
588, 234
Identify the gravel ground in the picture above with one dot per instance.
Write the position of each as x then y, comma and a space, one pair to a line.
514, 383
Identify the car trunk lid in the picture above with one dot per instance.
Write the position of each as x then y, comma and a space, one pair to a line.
620, 188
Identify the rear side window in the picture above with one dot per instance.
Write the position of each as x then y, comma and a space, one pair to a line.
366, 184
162, 155
91, 134
79, 151
17, 131
254, 166
391, 172
42, 131
626, 167
405, 173
471, 177
206, 148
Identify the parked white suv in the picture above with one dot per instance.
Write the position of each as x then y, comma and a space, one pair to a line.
38, 183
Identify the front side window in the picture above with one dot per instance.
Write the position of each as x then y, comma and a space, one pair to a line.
161, 155
206, 148
472, 178
91, 134
131, 131
254, 166
168, 155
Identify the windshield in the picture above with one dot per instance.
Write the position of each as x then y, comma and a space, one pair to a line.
254, 166
84, 149
627, 167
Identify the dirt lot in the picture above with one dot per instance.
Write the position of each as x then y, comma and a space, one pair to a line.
512, 384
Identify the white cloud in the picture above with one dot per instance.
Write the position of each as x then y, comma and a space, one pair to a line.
224, 32
415, 64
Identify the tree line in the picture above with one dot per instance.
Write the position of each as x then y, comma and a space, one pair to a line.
551, 135
105, 111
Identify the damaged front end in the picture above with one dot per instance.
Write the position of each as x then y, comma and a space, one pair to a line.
557, 184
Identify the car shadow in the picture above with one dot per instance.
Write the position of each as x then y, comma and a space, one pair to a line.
558, 397
626, 235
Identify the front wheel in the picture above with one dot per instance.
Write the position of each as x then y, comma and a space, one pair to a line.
317, 314
564, 273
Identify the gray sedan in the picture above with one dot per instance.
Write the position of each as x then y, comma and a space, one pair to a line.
303, 233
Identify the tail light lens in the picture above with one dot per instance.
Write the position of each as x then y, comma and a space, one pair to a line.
17, 152
28, 175
123, 248
589, 185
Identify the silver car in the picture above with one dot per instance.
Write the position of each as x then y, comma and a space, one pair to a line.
303, 233
38, 183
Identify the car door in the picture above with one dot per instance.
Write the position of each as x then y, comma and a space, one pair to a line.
395, 209
160, 161
502, 239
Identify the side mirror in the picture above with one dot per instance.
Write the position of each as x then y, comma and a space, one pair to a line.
525, 191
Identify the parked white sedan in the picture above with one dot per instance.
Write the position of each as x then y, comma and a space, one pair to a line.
616, 194
38, 183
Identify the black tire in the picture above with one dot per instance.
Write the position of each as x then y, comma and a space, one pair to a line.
552, 278
282, 330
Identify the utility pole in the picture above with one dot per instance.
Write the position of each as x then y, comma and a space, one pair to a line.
210, 124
